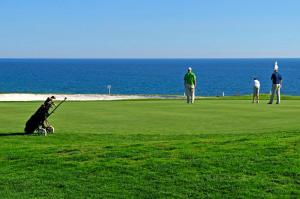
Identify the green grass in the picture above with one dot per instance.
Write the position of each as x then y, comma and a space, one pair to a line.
153, 149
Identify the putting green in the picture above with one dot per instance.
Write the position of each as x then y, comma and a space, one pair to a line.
153, 148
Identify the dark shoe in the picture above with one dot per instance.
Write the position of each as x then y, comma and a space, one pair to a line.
269, 103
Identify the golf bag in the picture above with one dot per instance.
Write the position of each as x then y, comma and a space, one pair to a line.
38, 121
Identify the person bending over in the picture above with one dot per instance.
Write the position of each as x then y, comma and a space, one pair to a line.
256, 87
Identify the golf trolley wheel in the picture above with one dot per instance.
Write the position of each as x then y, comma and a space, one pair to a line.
50, 129
42, 131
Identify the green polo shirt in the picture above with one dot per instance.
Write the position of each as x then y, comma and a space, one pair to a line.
190, 78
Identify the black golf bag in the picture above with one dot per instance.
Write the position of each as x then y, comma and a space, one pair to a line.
39, 120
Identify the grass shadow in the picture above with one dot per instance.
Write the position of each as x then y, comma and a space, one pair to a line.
11, 134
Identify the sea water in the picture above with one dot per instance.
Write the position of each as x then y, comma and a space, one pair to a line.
144, 76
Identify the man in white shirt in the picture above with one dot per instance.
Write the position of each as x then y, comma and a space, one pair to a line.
256, 87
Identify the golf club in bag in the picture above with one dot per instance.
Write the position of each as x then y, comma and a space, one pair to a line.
38, 121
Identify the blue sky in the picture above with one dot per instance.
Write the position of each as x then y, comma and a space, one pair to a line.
149, 29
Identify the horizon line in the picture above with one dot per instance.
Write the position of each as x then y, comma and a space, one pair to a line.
149, 57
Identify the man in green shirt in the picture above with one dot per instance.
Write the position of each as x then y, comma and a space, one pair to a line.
190, 84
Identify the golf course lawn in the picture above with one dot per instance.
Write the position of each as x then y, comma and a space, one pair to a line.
153, 149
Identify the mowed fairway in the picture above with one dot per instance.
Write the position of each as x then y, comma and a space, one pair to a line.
153, 149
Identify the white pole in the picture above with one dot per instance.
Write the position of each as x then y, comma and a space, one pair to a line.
109, 87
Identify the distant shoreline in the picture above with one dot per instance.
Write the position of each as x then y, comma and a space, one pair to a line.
27, 97
19, 97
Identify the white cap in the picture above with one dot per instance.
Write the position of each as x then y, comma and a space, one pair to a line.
190, 68
276, 66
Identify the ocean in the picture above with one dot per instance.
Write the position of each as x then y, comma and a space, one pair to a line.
144, 76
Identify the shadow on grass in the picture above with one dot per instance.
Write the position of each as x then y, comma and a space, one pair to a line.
11, 134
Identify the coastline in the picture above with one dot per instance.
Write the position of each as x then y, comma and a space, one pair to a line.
22, 97
27, 97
